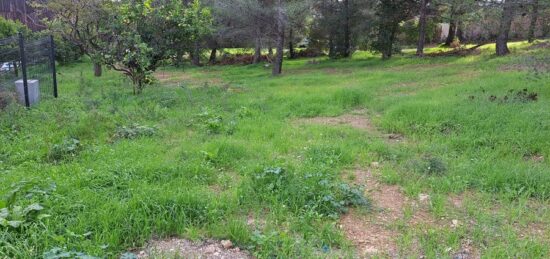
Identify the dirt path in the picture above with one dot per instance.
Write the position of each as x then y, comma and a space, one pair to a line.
372, 233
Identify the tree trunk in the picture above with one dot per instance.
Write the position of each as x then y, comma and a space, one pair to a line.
270, 51
213, 56
258, 47
452, 32
347, 30
504, 29
196, 57
460, 31
179, 58
390, 32
278, 64
534, 19
331, 48
422, 28
291, 53
98, 70
257, 51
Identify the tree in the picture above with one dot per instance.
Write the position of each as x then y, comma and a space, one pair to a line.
534, 19
280, 20
253, 25
335, 25
454, 12
142, 35
80, 22
260, 21
422, 27
508, 11
390, 13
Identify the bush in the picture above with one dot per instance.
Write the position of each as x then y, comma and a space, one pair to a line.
241, 59
6, 98
429, 165
10, 28
68, 148
134, 131
66, 52
309, 53
22, 205
213, 123
322, 193
409, 32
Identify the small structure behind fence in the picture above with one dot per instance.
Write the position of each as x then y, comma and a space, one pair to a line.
27, 68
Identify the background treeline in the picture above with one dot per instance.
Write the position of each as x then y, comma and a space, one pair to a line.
136, 37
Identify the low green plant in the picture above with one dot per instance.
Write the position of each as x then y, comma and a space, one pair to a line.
22, 205
67, 149
60, 253
319, 192
134, 131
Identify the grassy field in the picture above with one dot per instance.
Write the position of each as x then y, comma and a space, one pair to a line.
274, 164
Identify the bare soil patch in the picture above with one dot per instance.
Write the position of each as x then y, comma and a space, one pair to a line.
372, 233
183, 248
176, 78
375, 233
357, 119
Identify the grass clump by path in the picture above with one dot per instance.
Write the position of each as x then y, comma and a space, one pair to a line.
243, 158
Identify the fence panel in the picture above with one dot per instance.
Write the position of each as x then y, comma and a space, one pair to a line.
27, 69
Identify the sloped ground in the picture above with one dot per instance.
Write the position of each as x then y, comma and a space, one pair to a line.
453, 166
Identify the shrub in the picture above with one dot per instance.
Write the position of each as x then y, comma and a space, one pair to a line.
241, 59
214, 123
23, 204
9, 28
318, 192
6, 98
66, 52
68, 148
134, 131
309, 53
58, 253
429, 165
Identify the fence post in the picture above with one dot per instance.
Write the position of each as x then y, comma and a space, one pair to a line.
24, 69
52, 60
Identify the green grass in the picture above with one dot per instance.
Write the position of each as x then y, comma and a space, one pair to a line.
198, 161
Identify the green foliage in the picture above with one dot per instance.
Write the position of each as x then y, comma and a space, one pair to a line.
142, 35
21, 206
10, 28
317, 192
59, 253
390, 14
66, 52
213, 122
134, 131
67, 149
409, 31
189, 182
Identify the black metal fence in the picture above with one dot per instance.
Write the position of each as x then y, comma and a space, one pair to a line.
27, 68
